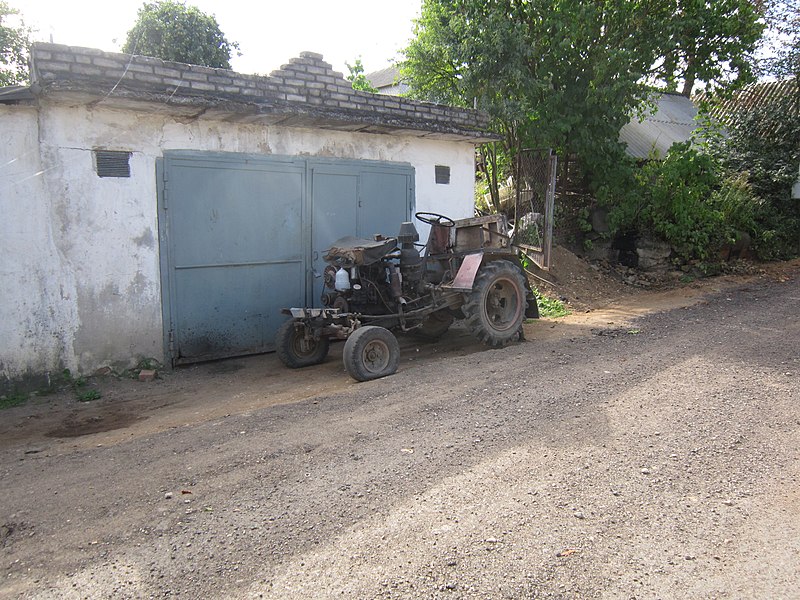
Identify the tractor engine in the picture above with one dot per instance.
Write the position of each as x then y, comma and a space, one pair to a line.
410, 260
373, 277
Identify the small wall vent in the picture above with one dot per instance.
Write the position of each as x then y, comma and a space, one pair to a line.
442, 174
112, 163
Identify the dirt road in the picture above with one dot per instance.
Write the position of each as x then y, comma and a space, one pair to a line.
603, 458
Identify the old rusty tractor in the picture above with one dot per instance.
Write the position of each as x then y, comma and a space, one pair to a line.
467, 270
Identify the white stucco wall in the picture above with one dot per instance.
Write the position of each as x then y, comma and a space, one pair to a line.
80, 270
34, 314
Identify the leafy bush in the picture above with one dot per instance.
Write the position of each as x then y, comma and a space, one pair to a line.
11, 400
550, 307
672, 199
733, 181
762, 148
737, 205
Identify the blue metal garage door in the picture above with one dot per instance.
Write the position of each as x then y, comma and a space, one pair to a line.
361, 200
242, 237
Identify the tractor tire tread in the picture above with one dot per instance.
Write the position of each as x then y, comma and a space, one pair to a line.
473, 307
284, 348
353, 353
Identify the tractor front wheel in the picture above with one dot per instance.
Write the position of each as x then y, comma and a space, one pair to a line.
371, 352
295, 350
495, 308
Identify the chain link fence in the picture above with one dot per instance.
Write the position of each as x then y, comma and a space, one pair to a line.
535, 177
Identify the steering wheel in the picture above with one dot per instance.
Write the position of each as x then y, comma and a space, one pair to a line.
434, 219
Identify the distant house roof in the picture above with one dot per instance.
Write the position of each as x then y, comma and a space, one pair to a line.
750, 97
387, 81
672, 120
306, 92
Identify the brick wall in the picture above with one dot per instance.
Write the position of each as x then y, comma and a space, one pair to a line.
306, 84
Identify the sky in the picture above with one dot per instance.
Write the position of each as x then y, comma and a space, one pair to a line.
269, 32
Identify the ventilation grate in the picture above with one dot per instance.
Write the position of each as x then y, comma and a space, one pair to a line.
112, 163
442, 174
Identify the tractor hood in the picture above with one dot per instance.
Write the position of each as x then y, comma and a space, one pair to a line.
350, 251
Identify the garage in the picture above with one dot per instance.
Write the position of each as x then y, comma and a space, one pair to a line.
245, 235
158, 211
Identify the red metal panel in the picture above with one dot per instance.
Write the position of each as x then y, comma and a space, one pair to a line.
466, 273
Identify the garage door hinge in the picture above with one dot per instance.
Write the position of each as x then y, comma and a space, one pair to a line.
171, 342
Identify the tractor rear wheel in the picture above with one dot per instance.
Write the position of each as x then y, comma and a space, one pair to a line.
496, 306
371, 352
295, 350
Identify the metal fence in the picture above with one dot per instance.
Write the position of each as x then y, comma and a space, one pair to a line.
535, 177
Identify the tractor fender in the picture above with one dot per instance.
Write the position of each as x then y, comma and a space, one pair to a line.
465, 278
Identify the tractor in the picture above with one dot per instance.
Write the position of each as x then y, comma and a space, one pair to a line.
467, 270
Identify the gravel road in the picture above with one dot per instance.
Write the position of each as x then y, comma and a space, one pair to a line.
654, 460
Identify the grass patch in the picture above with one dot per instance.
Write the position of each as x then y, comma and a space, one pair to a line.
550, 307
88, 395
63, 381
11, 400
78, 385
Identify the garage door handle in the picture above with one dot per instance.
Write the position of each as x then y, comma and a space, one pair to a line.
316, 255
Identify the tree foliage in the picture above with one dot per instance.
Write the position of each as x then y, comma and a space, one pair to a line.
709, 41
178, 32
14, 43
544, 68
558, 74
781, 45
762, 144
567, 74
358, 78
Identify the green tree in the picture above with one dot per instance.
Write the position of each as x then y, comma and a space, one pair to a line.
174, 31
712, 42
781, 45
552, 73
567, 73
358, 78
14, 43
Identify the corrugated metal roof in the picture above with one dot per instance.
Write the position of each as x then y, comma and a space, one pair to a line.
752, 96
672, 120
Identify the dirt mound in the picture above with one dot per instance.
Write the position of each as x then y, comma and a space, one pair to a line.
579, 284
585, 286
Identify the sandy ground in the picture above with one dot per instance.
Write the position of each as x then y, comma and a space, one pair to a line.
189, 395
646, 446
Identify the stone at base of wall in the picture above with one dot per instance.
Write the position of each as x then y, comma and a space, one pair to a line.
653, 254
147, 374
